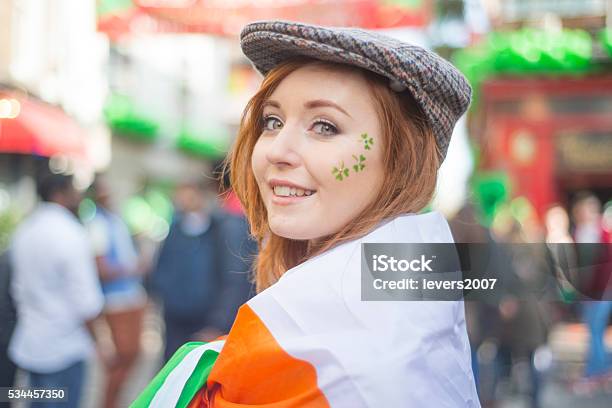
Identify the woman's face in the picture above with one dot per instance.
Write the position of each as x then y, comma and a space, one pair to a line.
318, 161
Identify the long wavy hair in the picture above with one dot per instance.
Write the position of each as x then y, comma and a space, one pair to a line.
410, 157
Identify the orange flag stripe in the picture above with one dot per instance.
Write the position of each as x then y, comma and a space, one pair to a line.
253, 369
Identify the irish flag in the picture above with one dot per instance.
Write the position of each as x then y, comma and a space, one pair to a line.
310, 341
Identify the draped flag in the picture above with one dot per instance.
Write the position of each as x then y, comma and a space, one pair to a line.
182, 377
309, 341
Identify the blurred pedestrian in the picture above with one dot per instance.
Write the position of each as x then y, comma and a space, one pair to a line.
124, 297
525, 315
197, 274
240, 250
481, 315
560, 243
589, 229
56, 291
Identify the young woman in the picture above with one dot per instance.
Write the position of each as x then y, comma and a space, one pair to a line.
340, 146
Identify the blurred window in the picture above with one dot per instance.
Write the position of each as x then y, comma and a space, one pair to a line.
582, 104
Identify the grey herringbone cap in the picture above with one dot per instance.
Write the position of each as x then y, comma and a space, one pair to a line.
440, 89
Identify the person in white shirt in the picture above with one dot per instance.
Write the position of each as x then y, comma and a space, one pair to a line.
56, 291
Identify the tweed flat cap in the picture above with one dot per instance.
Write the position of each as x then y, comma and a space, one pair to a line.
438, 87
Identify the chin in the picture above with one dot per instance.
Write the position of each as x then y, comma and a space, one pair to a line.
289, 230
290, 234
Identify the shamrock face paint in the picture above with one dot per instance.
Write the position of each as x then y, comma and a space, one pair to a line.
318, 160
343, 172
360, 165
367, 141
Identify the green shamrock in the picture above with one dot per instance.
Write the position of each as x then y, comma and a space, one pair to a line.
360, 165
368, 141
341, 172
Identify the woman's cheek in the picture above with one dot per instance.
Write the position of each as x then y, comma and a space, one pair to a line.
351, 165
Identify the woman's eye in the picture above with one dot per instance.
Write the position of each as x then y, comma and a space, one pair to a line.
272, 123
324, 128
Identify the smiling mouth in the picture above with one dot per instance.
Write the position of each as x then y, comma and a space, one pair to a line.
286, 191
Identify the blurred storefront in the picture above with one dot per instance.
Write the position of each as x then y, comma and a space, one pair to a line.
52, 87
541, 118
226, 18
52, 82
552, 136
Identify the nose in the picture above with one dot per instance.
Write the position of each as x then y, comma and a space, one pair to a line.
283, 150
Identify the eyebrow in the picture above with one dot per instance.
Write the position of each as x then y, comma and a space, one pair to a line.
318, 103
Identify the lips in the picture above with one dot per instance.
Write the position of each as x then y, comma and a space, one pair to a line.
287, 187
287, 192
273, 182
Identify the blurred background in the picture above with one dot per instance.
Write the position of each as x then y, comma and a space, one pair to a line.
150, 93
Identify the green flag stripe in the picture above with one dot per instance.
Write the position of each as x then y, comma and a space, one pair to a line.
198, 378
146, 396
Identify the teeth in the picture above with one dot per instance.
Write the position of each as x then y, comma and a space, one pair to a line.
286, 191
282, 190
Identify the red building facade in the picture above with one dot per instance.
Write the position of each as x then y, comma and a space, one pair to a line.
552, 136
